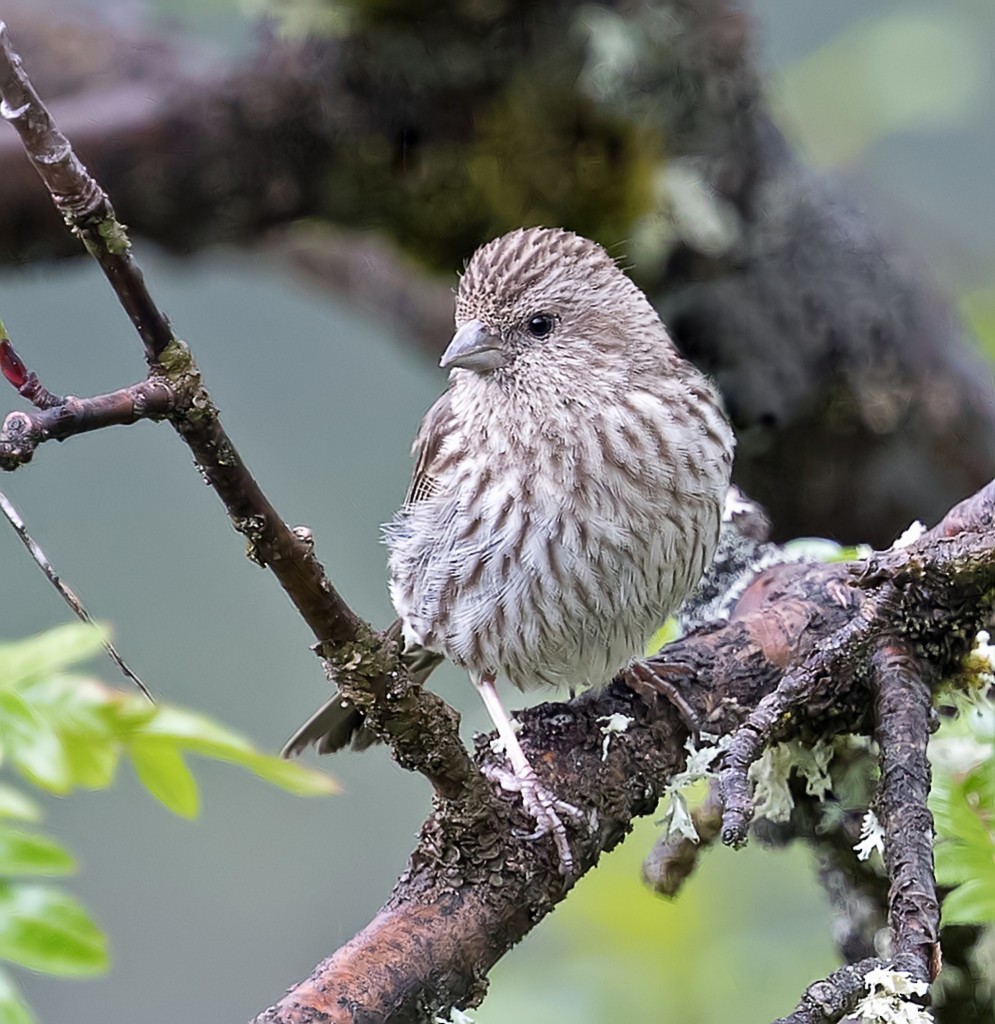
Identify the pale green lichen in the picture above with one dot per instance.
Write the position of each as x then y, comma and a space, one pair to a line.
114, 235
367, 656
967, 689
175, 359
771, 773
177, 365
677, 818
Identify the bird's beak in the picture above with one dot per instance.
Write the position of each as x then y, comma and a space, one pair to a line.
474, 347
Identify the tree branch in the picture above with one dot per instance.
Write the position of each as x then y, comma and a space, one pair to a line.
22, 432
903, 706
89, 215
473, 887
77, 196
422, 728
800, 655
844, 371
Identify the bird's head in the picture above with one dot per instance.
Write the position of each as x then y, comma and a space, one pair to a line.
538, 298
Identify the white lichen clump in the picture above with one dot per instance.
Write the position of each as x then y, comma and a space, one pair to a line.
981, 659
871, 837
614, 725
888, 999
456, 1016
912, 533
961, 746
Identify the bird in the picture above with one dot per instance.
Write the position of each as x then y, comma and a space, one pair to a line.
567, 491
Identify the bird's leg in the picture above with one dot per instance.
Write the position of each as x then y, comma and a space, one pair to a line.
538, 802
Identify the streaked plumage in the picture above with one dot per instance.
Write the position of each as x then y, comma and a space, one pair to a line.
563, 505
567, 490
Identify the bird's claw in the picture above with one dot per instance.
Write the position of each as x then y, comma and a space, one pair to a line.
653, 676
542, 806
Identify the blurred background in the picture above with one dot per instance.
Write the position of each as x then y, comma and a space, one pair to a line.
322, 399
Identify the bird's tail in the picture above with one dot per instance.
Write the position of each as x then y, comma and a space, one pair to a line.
338, 724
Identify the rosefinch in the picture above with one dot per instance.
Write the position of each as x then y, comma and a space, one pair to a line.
567, 491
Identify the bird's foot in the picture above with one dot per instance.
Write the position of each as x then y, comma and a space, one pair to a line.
541, 805
649, 677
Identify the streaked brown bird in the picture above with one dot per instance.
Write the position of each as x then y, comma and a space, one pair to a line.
567, 491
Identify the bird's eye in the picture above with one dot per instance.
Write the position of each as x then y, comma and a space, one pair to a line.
541, 325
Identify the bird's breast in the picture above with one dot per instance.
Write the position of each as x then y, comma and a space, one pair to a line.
550, 552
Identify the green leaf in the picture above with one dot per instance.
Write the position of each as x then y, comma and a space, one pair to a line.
45, 929
963, 804
163, 772
14, 804
72, 703
13, 1009
64, 731
199, 735
196, 732
27, 853
289, 776
971, 903
962, 819
33, 745
979, 308
950, 863
124, 714
814, 549
960, 862
92, 761
41, 656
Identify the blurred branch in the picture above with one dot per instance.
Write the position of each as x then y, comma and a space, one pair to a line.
858, 398
674, 858
371, 273
473, 887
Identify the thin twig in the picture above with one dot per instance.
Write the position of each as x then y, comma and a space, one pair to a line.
26, 381
423, 730
89, 215
81, 201
68, 595
22, 432
798, 688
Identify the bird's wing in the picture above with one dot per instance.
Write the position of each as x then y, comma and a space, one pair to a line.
427, 449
